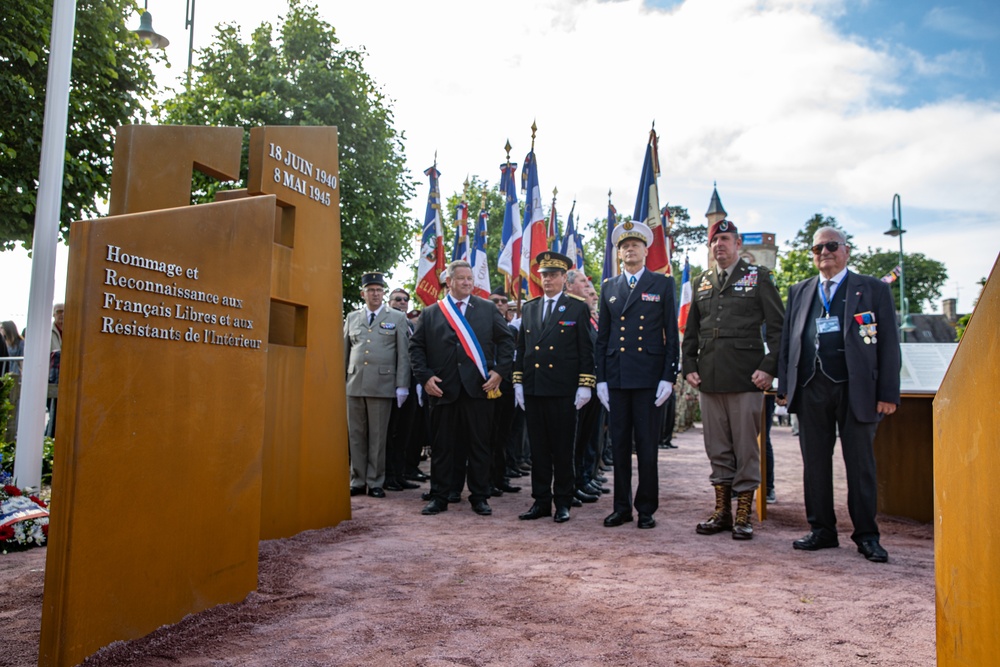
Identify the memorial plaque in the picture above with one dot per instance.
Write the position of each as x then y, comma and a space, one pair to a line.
156, 488
305, 482
924, 365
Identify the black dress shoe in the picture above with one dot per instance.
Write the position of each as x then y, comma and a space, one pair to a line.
358, 490
408, 485
595, 489
536, 511
617, 519
482, 508
813, 542
512, 472
873, 551
376, 492
454, 497
508, 487
585, 497
417, 476
393, 486
426, 495
575, 502
495, 492
434, 507
600, 479
562, 515
646, 521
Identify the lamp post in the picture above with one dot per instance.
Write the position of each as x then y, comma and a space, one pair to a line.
155, 40
905, 321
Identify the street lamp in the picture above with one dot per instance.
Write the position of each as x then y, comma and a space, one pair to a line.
156, 41
906, 322
153, 39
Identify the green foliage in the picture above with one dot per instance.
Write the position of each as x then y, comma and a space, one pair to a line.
6, 407
301, 76
924, 276
687, 237
111, 77
804, 238
793, 266
495, 204
961, 326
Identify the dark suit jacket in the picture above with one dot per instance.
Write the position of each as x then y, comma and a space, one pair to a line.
872, 369
637, 333
555, 359
436, 350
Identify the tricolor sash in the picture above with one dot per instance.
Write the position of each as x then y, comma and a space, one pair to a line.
465, 334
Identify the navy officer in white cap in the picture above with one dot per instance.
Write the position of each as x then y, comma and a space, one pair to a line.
637, 354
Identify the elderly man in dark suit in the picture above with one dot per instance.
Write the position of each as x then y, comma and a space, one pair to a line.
838, 370
636, 367
459, 353
553, 378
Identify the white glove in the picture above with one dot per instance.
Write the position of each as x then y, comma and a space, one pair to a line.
663, 393
401, 395
519, 395
420, 395
583, 395
602, 395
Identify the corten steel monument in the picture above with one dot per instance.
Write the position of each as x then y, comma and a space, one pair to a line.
966, 466
202, 382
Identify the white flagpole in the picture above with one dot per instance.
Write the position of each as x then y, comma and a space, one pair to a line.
35, 373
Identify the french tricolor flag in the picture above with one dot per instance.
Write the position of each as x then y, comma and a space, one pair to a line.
682, 315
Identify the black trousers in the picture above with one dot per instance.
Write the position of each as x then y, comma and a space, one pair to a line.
634, 418
503, 416
551, 424
823, 409
460, 434
398, 437
585, 455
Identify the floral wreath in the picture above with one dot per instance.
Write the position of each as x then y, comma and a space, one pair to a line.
24, 518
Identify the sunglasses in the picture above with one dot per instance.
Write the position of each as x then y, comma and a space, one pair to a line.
401, 298
831, 246
499, 300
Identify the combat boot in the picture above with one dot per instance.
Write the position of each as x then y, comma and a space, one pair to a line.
742, 530
722, 518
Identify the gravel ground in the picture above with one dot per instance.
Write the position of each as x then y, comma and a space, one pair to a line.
392, 587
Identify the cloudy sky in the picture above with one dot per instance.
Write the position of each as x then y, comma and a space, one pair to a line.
793, 107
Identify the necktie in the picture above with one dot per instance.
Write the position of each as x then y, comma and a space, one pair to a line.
631, 282
548, 310
722, 278
459, 305
371, 318
828, 289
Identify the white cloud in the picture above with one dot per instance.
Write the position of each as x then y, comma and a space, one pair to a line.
764, 96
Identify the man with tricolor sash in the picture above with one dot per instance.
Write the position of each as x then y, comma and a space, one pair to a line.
459, 353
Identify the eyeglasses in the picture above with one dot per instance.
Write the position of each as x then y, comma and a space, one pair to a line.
404, 299
831, 246
499, 300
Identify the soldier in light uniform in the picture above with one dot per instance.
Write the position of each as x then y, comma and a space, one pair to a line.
553, 378
734, 307
378, 372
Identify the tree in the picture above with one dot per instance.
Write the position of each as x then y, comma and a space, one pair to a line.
687, 237
111, 77
302, 77
793, 266
804, 238
924, 276
494, 223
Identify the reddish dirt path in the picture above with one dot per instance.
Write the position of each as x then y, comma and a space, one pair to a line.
392, 587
